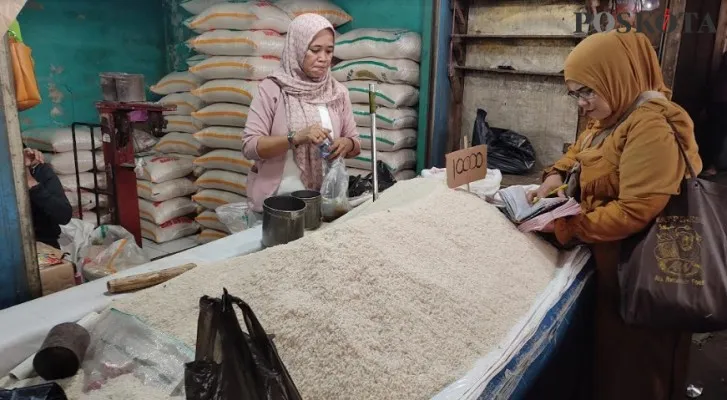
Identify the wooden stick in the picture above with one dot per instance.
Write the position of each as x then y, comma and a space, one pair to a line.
143, 281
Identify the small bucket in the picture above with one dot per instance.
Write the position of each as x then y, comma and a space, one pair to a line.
312, 201
122, 87
283, 220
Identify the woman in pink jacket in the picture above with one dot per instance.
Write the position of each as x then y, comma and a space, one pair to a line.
297, 108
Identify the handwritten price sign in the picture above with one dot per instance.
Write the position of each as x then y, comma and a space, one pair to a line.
466, 166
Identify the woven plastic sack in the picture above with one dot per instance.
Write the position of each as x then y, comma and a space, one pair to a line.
165, 191
60, 140
228, 160
180, 123
379, 43
213, 198
176, 82
402, 175
225, 114
388, 139
378, 69
220, 137
170, 230
63, 163
227, 91
196, 59
236, 67
324, 8
86, 178
195, 7
387, 94
88, 200
386, 118
223, 180
186, 103
164, 211
395, 161
251, 15
122, 347
210, 235
143, 141
209, 219
224, 42
180, 143
164, 168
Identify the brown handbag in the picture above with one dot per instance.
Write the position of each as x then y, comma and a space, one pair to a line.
673, 275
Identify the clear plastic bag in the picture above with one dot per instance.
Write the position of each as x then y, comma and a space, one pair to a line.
237, 216
334, 191
121, 344
109, 249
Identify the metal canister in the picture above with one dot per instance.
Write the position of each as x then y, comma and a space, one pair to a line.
313, 215
283, 220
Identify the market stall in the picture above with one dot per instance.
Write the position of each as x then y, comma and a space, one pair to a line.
521, 340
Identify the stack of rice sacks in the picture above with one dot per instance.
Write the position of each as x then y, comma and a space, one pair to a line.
165, 181
390, 59
57, 147
238, 45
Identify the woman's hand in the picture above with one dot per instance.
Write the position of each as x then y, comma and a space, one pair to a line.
32, 157
314, 134
551, 183
340, 148
550, 228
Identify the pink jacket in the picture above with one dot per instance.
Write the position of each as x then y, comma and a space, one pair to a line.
267, 118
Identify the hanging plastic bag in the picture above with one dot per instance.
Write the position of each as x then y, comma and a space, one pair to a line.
27, 93
508, 151
334, 191
237, 216
231, 364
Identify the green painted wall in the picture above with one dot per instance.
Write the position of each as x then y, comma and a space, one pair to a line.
74, 40
406, 14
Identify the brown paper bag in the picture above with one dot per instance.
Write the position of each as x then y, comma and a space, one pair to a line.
26, 86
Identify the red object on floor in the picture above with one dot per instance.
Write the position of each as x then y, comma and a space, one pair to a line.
117, 126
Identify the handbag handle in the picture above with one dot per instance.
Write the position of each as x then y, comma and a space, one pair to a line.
683, 152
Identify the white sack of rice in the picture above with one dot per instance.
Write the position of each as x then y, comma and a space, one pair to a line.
224, 42
438, 288
381, 43
377, 69
234, 67
387, 94
220, 137
227, 91
386, 118
395, 161
388, 139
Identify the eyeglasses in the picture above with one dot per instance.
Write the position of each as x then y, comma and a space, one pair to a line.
583, 93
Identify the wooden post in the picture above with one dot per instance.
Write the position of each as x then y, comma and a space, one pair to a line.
18, 259
457, 54
672, 41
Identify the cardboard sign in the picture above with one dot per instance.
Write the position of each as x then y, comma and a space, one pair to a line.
467, 165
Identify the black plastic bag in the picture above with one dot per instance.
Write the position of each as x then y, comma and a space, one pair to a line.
359, 184
46, 391
231, 364
508, 151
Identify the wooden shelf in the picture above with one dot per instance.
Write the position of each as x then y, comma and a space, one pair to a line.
517, 37
509, 71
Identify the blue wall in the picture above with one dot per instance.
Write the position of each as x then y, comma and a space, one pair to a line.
74, 40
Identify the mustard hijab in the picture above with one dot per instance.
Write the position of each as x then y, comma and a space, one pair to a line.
619, 66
